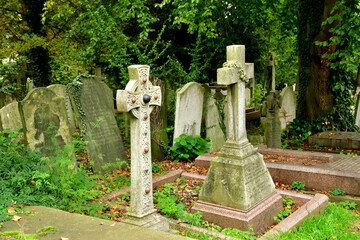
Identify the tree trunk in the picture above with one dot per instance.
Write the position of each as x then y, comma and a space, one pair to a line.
315, 97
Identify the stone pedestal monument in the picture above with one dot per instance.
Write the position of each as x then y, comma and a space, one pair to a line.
273, 123
238, 190
139, 98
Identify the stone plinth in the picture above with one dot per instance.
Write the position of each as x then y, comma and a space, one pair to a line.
258, 217
238, 178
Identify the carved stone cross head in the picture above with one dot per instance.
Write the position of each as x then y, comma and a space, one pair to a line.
234, 68
139, 92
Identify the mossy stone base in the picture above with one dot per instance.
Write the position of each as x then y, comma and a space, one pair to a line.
238, 177
151, 221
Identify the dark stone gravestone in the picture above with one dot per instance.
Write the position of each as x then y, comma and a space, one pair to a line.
96, 112
45, 121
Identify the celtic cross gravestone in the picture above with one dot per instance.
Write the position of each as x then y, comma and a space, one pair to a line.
139, 98
238, 181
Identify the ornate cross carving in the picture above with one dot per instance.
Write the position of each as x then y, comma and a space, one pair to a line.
233, 74
139, 98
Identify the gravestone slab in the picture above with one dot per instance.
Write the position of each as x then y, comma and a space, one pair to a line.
247, 96
287, 106
10, 117
46, 122
347, 140
189, 107
61, 91
213, 121
98, 121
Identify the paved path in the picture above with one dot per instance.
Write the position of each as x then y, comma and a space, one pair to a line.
79, 227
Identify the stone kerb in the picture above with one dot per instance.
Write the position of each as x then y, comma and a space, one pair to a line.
10, 118
287, 106
44, 110
189, 107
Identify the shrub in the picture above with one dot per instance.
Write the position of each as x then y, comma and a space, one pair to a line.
187, 147
298, 185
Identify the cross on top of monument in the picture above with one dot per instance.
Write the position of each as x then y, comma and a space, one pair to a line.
272, 63
233, 74
139, 98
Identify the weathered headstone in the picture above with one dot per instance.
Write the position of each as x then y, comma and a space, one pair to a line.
139, 98
158, 119
61, 91
250, 74
238, 183
95, 110
215, 122
46, 121
273, 124
287, 106
10, 117
247, 96
189, 107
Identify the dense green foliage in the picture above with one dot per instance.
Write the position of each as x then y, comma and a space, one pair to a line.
26, 177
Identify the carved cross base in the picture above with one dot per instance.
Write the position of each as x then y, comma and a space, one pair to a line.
238, 178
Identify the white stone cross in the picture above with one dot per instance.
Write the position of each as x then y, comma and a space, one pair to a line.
233, 74
272, 63
139, 98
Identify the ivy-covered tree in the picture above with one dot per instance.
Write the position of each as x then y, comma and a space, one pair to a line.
328, 35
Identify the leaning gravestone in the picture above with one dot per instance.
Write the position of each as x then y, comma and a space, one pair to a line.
46, 123
10, 117
139, 98
95, 110
287, 106
238, 190
215, 121
61, 91
189, 107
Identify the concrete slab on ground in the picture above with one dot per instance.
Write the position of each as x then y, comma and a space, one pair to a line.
348, 140
79, 227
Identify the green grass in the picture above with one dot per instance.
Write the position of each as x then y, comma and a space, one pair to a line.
334, 223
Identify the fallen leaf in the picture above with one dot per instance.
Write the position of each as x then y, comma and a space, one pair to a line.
113, 225
11, 210
101, 223
32, 211
16, 218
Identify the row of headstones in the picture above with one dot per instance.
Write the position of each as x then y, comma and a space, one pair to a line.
49, 117
197, 104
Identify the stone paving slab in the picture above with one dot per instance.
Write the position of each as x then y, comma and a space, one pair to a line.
348, 140
80, 227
